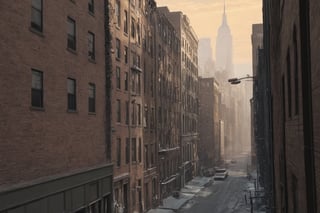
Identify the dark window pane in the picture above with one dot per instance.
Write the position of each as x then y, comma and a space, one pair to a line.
91, 45
127, 150
92, 98
36, 15
118, 152
91, 6
72, 94
37, 89
71, 34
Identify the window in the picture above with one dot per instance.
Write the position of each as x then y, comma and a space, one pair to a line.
127, 112
133, 28
127, 150
146, 157
133, 115
92, 98
146, 116
91, 46
134, 149
139, 114
152, 119
36, 15
138, 32
118, 48
139, 150
126, 54
117, 13
152, 155
91, 6
126, 81
125, 22
118, 82
71, 34
37, 89
72, 94
139, 83
118, 151
118, 111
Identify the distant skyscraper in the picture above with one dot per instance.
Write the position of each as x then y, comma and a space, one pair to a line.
224, 46
205, 63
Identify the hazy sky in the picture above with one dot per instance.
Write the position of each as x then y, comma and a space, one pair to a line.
206, 16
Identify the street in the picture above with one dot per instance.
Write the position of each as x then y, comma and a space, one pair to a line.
223, 196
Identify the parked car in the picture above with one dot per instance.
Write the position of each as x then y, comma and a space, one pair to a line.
221, 173
220, 176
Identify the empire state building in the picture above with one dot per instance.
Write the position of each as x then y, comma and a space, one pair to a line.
224, 51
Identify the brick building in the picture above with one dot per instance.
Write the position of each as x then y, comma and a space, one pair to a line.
209, 147
291, 41
189, 94
54, 148
127, 24
257, 43
168, 85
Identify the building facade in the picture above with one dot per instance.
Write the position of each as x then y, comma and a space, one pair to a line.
257, 44
127, 26
54, 149
189, 95
209, 147
291, 33
168, 112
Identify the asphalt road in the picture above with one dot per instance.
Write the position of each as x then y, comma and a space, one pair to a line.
223, 196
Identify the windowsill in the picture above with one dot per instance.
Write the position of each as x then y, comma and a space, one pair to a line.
117, 27
92, 60
126, 34
72, 51
118, 59
72, 111
37, 32
92, 113
33, 108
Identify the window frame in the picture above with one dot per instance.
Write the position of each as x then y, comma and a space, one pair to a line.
72, 98
118, 118
34, 90
91, 6
92, 100
118, 163
118, 49
91, 46
118, 77
72, 39
34, 10
134, 150
125, 22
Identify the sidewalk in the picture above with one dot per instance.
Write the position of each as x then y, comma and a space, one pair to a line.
176, 203
172, 204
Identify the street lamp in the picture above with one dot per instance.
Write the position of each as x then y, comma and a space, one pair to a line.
238, 80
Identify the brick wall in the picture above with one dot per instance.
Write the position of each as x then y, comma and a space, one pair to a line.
51, 141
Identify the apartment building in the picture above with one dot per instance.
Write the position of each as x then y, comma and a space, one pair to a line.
189, 94
132, 156
151, 144
168, 111
209, 147
54, 148
291, 44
